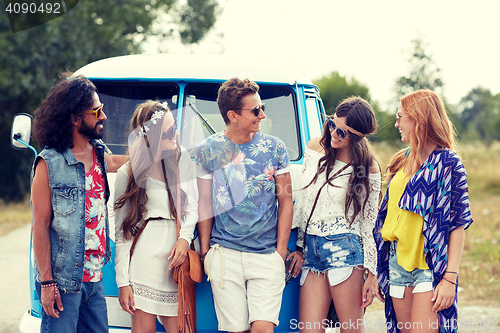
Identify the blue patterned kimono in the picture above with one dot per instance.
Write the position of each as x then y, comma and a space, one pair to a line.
438, 192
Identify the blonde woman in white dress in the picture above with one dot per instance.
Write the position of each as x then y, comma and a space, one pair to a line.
146, 189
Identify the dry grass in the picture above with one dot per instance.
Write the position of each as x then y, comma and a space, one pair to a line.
13, 216
480, 265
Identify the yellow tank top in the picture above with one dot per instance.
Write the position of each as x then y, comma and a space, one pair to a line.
405, 226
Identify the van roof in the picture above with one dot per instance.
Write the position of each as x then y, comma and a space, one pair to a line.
191, 67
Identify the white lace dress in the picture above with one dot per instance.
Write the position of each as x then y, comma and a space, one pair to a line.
154, 290
328, 217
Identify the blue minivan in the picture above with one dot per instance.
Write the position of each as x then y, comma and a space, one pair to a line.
189, 84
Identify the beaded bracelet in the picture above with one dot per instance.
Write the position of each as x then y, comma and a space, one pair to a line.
203, 256
49, 285
52, 285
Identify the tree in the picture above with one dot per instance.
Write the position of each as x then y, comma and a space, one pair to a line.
480, 115
31, 60
424, 73
334, 88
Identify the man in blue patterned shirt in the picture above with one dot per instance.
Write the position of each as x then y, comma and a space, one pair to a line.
245, 210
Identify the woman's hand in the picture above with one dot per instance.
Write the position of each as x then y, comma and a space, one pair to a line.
376, 287
368, 290
297, 258
49, 298
443, 296
126, 298
178, 253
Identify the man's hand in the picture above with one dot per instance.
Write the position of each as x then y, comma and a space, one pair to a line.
297, 259
51, 296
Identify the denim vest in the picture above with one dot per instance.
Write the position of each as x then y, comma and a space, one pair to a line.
67, 228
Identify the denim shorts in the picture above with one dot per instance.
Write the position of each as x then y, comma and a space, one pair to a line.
399, 278
333, 251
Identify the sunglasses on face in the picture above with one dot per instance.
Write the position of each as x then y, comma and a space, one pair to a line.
97, 111
340, 132
399, 116
170, 133
256, 110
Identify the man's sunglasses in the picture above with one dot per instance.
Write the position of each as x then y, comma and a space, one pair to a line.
170, 133
340, 132
97, 111
256, 110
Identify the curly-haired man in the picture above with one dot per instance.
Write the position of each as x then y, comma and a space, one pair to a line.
70, 221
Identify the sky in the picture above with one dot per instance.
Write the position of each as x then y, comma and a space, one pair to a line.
366, 39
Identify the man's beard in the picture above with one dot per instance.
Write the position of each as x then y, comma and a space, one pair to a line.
91, 132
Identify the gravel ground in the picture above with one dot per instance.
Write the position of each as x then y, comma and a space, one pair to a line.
15, 295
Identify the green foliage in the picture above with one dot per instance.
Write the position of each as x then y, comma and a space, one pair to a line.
196, 19
386, 130
334, 88
480, 115
31, 60
424, 73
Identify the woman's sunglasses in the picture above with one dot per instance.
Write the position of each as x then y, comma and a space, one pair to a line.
170, 133
340, 132
256, 110
97, 111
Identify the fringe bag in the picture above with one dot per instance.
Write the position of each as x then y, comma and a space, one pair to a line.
186, 276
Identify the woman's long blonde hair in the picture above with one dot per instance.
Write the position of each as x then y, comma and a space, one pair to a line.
431, 126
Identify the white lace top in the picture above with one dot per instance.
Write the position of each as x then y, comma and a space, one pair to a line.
329, 217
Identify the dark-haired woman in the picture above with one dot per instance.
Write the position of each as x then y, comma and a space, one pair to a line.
335, 212
146, 188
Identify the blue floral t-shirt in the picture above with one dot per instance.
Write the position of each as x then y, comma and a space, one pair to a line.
243, 189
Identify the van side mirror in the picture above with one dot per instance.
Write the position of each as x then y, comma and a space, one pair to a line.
21, 131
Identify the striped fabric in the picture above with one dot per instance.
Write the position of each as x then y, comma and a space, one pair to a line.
439, 193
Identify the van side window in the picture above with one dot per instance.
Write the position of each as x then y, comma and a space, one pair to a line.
314, 112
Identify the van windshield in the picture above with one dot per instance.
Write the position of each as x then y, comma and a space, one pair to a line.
120, 100
280, 121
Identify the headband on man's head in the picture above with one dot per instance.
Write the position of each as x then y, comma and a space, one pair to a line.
350, 129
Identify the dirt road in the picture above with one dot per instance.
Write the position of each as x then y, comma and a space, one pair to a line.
15, 295
14, 282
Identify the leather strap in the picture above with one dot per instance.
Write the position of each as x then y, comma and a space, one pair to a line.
335, 175
178, 203
143, 226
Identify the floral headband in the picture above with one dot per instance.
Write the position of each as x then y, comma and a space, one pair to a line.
157, 115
